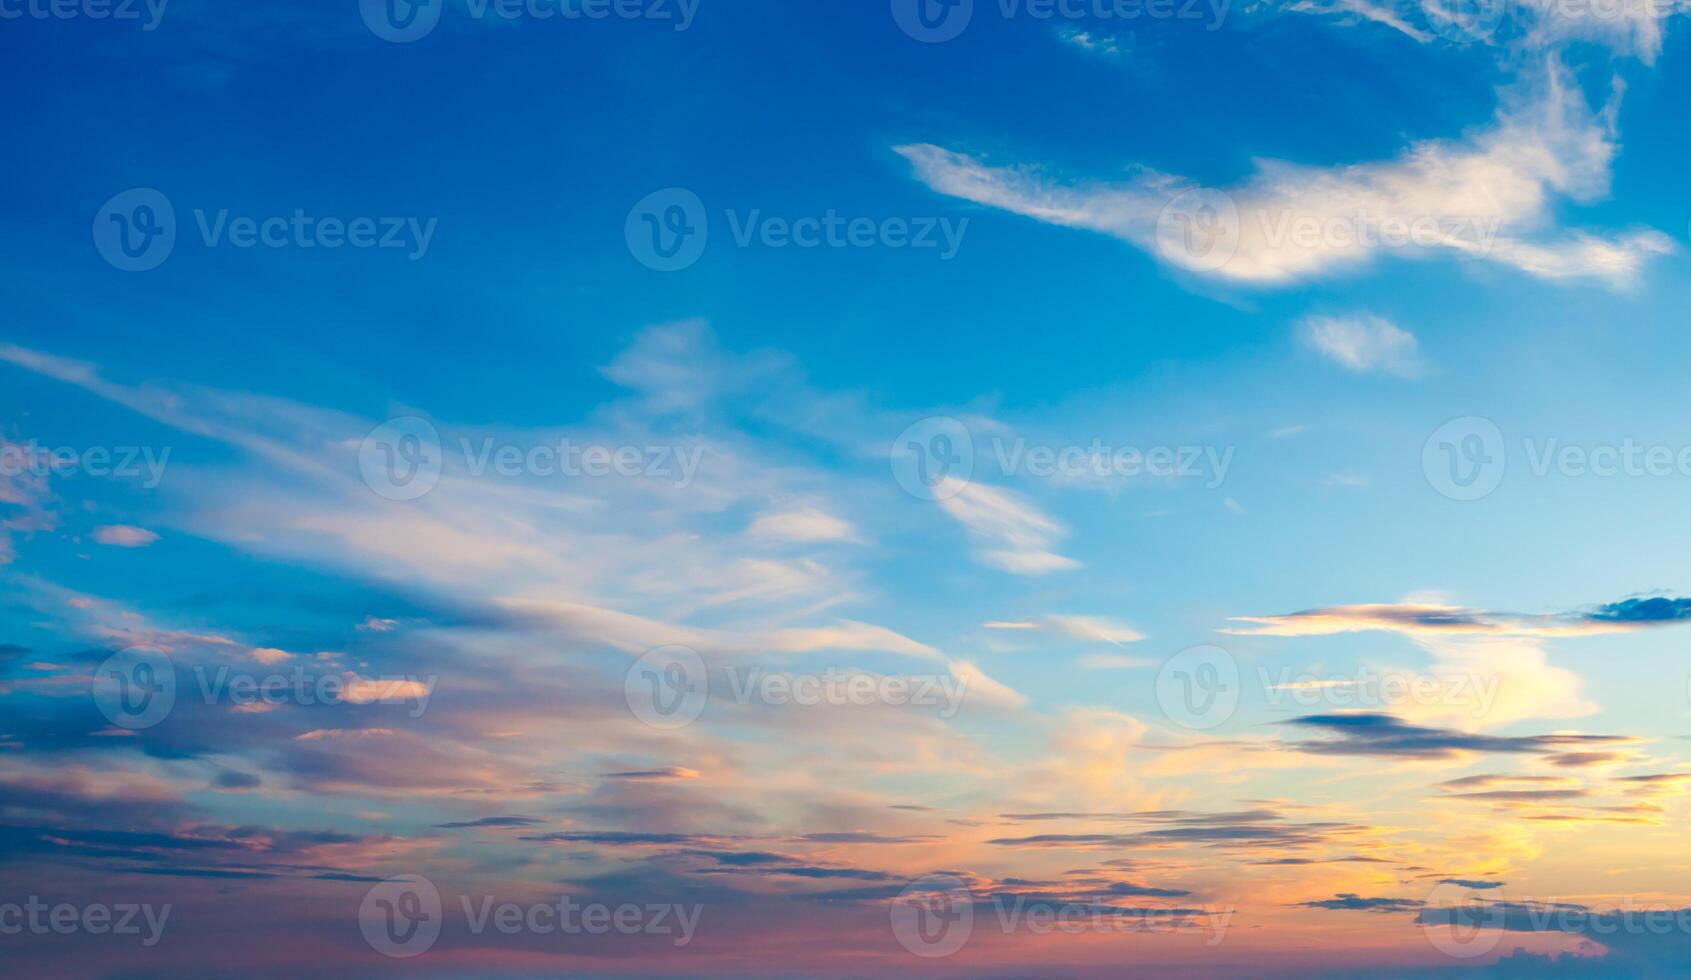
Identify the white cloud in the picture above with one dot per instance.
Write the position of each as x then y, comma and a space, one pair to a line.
1113, 661
124, 536
1633, 27
1487, 197
1015, 536
1094, 628
806, 525
1365, 343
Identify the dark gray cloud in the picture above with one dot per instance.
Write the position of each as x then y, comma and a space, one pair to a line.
1378, 734
511, 821
1351, 902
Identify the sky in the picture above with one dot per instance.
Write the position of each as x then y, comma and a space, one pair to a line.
989, 488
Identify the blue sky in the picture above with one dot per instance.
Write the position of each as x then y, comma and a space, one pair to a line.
1059, 153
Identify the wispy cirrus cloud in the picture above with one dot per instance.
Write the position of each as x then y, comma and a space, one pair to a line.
1011, 534
1364, 344
1488, 197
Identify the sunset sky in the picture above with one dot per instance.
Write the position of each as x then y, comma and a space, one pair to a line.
996, 489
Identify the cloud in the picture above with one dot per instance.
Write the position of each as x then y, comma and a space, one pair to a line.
511, 821
124, 536
1629, 27
1078, 627
1351, 902
1487, 196
1376, 734
1364, 344
1431, 619
668, 772
1012, 535
806, 525
1113, 661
